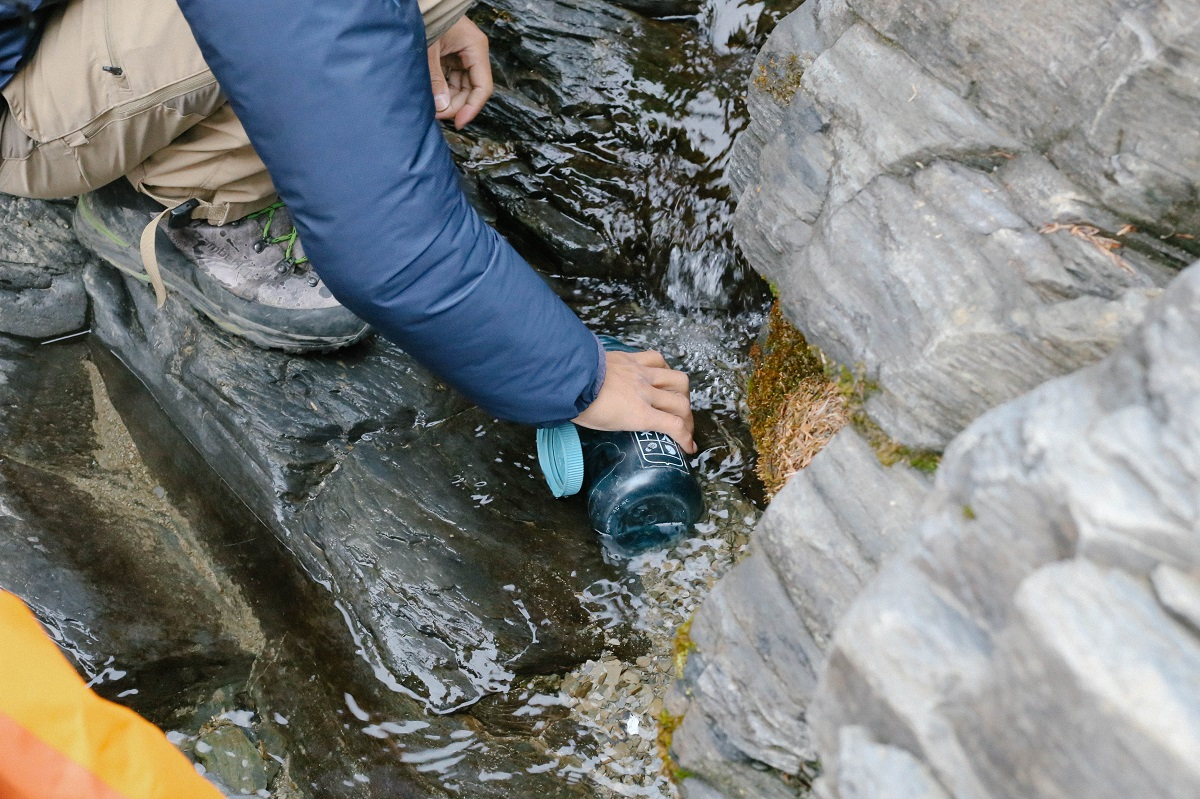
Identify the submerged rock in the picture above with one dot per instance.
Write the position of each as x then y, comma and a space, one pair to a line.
228, 756
113, 570
963, 212
426, 520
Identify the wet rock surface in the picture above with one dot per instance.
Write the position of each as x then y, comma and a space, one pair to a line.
1046, 645
90, 542
605, 144
425, 519
969, 207
41, 270
173, 599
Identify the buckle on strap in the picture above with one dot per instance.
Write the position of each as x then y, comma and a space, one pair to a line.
176, 217
180, 215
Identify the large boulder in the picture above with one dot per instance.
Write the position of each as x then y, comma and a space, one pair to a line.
761, 636
965, 200
1040, 637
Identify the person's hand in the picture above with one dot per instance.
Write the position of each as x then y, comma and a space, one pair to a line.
641, 392
461, 72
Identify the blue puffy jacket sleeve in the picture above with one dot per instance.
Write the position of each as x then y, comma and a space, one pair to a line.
335, 97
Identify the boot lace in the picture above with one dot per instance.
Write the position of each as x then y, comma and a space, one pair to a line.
289, 238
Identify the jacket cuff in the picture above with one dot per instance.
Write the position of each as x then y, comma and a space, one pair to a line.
589, 396
592, 391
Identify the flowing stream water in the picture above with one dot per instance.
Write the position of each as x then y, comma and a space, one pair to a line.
323, 713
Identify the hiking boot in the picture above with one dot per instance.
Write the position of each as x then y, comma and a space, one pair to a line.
249, 277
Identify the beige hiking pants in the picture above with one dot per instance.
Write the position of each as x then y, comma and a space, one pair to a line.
119, 88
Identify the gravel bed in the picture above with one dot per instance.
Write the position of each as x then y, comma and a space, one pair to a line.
620, 703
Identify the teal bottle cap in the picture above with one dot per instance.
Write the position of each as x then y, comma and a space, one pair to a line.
613, 344
560, 454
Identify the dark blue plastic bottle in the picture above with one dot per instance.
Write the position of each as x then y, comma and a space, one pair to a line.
640, 489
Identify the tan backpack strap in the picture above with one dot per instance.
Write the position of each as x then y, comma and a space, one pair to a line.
150, 252
150, 257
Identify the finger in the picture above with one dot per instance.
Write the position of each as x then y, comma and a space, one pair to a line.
457, 100
672, 403
650, 358
676, 428
437, 80
459, 85
455, 75
479, 74
670, 380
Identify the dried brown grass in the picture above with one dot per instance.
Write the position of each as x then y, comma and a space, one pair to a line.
1093, 236
813, 413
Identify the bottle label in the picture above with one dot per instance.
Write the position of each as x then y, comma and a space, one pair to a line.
657, 449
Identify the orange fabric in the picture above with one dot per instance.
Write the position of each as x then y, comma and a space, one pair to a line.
54, 731
29, 769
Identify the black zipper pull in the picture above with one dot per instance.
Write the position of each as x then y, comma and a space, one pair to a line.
117, 71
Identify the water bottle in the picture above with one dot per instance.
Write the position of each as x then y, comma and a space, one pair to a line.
641, 492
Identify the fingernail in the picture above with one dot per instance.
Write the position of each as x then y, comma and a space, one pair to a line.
442, 101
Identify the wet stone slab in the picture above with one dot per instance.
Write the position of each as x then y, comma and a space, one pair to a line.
89, 541
426, 520
172, 598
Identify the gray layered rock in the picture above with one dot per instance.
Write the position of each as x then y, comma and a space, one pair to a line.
1039, 639
875, 770
967, 200
41, 270
762, 634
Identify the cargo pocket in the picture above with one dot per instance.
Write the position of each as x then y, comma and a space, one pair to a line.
121, 138
15, 143
112, 82
29, 168
112, 64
